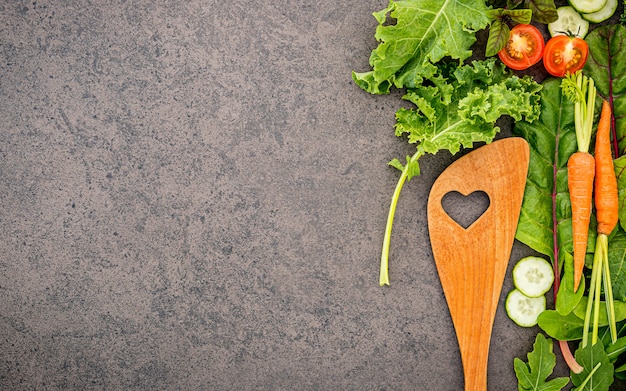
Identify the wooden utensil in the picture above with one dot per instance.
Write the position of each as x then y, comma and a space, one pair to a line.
472, 262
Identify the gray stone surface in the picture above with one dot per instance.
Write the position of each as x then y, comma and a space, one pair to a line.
193, 196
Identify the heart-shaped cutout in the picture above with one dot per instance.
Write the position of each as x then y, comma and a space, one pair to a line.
465, 210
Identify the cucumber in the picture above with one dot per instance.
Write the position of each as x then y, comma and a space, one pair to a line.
569, 21
524, 310
587, 6
533, 276
606, 12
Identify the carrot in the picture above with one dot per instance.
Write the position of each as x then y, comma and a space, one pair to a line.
607, 205
581, 90
580, 172
606, 198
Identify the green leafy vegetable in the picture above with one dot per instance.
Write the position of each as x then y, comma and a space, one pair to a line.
602, 377
532, 376
545, 220
620, 173
567, 327
424, 32
544, 11
606, 64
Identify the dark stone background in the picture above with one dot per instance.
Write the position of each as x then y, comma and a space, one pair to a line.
193, 196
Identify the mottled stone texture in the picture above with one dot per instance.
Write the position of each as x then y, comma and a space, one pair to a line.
193, 196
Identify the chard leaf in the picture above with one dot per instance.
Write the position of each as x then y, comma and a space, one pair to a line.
498, 37
606, 65
617, 264
620, 173
589, 356
544, 11
546, 208
532, 376
461, 105
422, 33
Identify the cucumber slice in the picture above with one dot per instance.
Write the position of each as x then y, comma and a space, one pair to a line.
587, 6
524, 310
533, 276
569, 21
606, 12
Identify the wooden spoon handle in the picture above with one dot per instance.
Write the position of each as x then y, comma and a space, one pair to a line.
472, 262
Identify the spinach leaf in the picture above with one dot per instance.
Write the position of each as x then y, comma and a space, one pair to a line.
541, 361
567, 299
562, 327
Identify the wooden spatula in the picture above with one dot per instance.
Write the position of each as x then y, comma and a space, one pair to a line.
472, 262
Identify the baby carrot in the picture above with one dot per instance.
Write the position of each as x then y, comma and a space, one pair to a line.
606, 198
581, 90
580, 171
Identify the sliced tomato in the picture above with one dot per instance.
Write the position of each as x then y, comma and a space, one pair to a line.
524, 48
565, 54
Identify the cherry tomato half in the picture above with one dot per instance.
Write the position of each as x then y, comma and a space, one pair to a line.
524, 48
564, 54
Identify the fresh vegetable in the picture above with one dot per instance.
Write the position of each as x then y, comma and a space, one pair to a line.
420, 35
565, 54
598, 373
581, 170
581, 165
606, 203
524, 47
568, 22
532, 376
587, 6
533, 276
524, 310
603, 14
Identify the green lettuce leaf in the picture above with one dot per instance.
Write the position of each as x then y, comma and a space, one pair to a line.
541, 362
423, 33
460, 105
546, 208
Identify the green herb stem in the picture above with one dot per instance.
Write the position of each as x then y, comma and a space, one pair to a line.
384, 259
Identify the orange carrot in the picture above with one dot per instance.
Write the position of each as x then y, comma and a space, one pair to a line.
580, 173
606, 198
581, 90
607, 205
